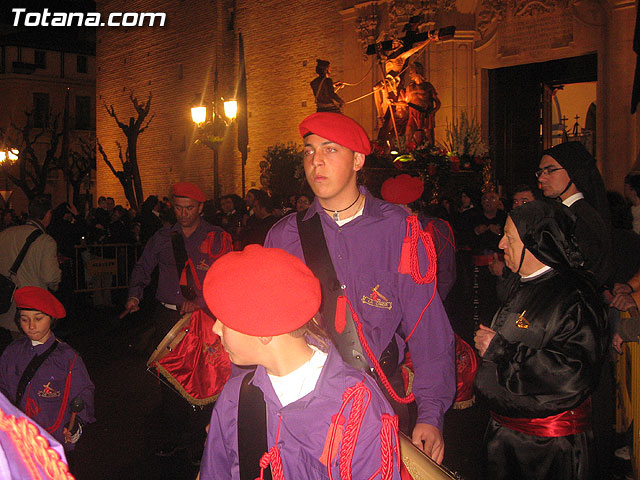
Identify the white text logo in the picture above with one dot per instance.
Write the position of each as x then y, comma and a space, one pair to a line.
89, 19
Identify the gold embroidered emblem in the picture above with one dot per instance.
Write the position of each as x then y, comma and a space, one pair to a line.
48, 392
376, 299
203, 266
522, 322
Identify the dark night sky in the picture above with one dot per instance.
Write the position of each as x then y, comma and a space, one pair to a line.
77, 39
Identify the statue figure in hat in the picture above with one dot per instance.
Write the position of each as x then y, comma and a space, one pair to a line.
324, 90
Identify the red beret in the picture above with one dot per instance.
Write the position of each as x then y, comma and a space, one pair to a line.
34, 298
339, 129
402, 189
188, 189
261, 291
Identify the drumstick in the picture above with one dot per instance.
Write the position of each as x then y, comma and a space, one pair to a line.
77, 405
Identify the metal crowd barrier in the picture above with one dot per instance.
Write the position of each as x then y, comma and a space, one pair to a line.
104, 266
628, 396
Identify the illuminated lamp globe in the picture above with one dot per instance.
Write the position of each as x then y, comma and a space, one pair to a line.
230, 108
198, 114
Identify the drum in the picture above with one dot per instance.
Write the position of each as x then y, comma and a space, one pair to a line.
191, 360
420, 466
466, 370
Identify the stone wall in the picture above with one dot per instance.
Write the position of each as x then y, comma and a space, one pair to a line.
16, 98
174, 63
178, 61
603, 27
282, 41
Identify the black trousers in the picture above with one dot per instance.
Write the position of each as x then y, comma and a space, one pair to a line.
512, 455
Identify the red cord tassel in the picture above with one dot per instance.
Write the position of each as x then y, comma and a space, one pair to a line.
341, 314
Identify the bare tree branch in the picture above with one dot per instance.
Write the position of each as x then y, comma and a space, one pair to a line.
142, 129
129, 176
112, 113
106, 160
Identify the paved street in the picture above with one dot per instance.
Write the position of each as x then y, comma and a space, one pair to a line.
121, 444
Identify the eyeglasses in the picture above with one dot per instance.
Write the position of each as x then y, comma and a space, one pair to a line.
547, 171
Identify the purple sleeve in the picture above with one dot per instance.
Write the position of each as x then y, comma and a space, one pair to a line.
83, 387
367, 455
445, 249
141, 274
284, 235
219, 460
12, 460
432, 348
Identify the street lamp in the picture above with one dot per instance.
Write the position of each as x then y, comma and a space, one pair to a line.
7, 157
230, 109
211, 131
198, 114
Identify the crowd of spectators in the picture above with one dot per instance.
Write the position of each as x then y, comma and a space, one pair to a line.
477, 221
79, 235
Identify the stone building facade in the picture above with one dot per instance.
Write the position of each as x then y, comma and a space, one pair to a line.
35, 73
282, 40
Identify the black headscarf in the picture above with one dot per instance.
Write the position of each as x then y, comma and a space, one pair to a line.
546, 230
583, 172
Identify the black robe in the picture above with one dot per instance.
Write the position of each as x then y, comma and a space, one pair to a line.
594, 241
546, 369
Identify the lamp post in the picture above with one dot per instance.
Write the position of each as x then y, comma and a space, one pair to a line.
8, 156
211, 132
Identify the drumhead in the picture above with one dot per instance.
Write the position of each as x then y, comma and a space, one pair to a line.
419, 465
171, 339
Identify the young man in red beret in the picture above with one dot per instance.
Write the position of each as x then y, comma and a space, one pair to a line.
324, 419
193, 244
364, 237
45, 394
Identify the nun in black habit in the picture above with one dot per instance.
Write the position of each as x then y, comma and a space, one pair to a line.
542, 355
586, 197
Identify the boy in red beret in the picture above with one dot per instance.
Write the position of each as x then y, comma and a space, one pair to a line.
379, 278
323, 418
43, 376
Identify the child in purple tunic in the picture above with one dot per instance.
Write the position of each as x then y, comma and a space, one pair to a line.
324, 419
60, 378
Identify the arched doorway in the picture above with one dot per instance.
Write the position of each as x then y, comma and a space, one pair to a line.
521, 107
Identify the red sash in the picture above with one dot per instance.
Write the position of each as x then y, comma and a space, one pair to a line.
571, 422
482, 260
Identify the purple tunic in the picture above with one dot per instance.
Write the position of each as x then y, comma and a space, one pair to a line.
203, 246
366, 254
43, 397
12, 465
304, 425
445, 245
